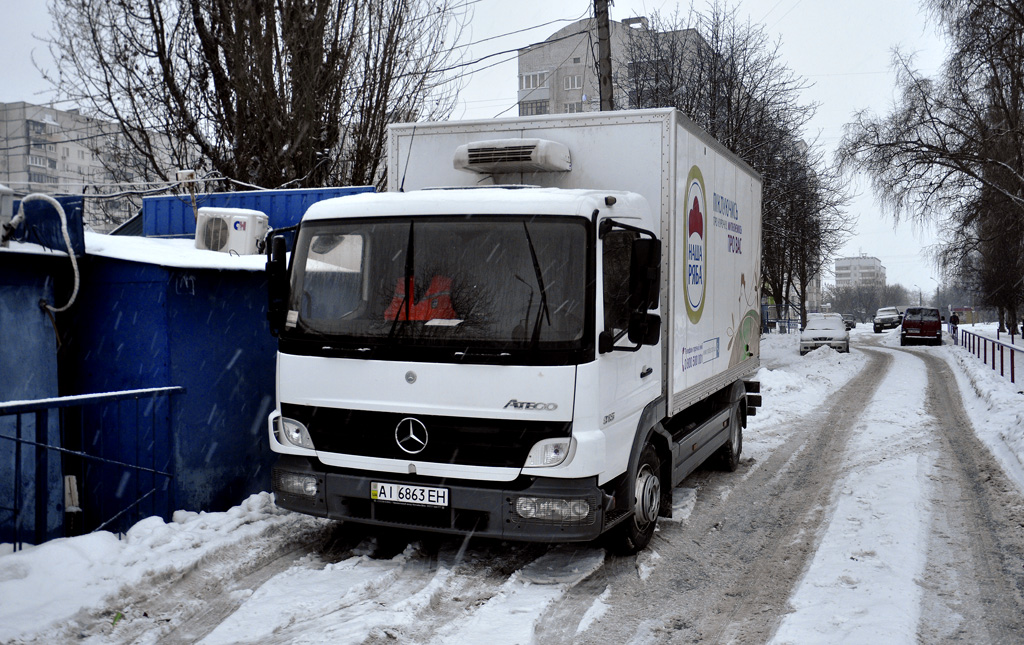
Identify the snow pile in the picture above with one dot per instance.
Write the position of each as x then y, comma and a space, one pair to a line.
50, 583
996, 410
792, 387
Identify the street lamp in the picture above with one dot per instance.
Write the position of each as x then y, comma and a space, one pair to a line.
918, 295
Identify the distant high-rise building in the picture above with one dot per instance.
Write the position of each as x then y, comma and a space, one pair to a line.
859, 271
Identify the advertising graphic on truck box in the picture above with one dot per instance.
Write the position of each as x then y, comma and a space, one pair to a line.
696, 246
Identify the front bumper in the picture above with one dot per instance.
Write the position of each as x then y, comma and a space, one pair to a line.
810, 346
473, 509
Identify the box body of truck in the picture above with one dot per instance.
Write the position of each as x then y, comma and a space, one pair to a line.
542, 327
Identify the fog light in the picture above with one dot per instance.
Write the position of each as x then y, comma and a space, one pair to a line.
295, 484
547, 509
293, 432
549, 452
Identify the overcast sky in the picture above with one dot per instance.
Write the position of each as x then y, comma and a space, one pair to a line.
843, 48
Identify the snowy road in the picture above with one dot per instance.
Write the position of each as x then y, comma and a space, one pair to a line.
865, 510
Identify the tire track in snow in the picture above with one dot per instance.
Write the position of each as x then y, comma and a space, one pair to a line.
975, 574
861, 585
334, 603
726, 573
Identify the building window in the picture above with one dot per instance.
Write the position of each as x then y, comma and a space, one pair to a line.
574, 82
527, 108
35, 160
533, 81
572, 108
576, 60
40, 178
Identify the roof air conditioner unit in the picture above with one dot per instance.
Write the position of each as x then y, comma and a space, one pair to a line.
500, 156
230, 230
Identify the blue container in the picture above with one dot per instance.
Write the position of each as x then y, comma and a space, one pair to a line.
42, 224
172, 215
144, 325
28, 370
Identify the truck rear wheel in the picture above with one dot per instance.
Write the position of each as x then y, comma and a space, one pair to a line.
636, 532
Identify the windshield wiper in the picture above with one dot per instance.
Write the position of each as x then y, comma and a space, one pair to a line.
543, 311
407, 283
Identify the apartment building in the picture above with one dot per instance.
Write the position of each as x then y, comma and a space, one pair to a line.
59, 152
559, 75
859, 271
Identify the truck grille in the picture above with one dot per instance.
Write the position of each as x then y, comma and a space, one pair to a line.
451, 440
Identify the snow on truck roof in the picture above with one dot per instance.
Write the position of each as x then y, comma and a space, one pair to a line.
473, 201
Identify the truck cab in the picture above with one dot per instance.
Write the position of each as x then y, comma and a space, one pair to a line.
446, 341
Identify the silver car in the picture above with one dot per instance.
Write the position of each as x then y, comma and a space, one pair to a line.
825, 332
887, 318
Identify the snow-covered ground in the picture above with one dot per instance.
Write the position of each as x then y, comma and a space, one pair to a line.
858, 587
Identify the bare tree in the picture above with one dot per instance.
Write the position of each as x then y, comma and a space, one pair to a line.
952, 149
283, 93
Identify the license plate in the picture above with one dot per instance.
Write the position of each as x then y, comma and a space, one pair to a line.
913, 331
404, 494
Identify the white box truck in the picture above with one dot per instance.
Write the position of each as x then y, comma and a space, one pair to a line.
542, 327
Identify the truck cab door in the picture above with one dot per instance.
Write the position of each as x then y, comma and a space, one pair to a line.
629, 380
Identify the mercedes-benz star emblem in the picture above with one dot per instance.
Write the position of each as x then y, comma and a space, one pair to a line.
411, 435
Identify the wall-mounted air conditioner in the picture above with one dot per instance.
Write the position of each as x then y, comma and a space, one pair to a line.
230, 230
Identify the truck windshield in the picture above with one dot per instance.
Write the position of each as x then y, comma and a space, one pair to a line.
508, 282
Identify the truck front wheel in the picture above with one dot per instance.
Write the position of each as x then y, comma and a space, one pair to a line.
635, 533
729, 454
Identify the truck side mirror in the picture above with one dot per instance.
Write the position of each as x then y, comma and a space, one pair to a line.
644, 275
644, 328
277, 283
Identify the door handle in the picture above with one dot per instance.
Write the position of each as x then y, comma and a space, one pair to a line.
647, 371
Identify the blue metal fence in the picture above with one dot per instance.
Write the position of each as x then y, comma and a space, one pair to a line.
89, 465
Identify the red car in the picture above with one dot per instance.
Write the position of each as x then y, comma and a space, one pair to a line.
921, 325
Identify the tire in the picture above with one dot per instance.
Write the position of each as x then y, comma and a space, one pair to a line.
878, 330
903, 341
728, 456
635, 533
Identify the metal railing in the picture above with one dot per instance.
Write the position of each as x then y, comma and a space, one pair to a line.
997, 353
86, 436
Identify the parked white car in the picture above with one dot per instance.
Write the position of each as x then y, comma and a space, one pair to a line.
826, 331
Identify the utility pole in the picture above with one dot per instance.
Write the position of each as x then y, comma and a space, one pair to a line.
604, 54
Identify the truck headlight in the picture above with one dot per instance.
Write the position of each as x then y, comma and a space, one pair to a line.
549, 452
290, 431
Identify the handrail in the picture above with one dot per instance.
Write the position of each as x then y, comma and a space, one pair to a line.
31, 405
978, 345
40, 408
